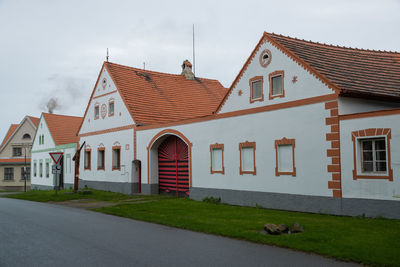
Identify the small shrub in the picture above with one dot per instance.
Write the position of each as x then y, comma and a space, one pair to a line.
213, 200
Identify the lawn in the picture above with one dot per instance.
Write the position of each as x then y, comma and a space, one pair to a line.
363, 240
368, 241
65, 195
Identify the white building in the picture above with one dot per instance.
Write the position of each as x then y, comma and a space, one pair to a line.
304, 126
55, 133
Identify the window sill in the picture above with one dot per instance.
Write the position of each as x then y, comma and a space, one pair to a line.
386, 176
116, 169
217, 171
292, 173
248, 172
12, 180
256, 100
276, 96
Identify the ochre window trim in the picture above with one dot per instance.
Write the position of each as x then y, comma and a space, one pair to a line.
244, 145
96, 116
285, 141
98, 158
372, 133
255, 79
272, 75
90, 159
112, 160
109, 102
217, 146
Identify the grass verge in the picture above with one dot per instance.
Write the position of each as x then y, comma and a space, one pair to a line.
363, 240
65, 195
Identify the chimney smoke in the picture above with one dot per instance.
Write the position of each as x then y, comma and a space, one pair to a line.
52, 104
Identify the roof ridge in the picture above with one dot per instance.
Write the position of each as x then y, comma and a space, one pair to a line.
52, 114
155, 72
33, 117
334, 46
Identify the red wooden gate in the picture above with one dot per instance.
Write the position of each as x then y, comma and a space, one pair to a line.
173, 166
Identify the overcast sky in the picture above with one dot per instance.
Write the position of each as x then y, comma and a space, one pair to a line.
56, 48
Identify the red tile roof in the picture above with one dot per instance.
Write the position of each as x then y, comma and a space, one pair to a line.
10, 131
155, 97
63, 128
352, 71
34, 120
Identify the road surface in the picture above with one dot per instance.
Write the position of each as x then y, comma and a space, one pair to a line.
40, 234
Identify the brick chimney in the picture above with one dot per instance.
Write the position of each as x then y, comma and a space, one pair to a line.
187, 70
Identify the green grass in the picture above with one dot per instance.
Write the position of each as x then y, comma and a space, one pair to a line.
363, 240
50, 195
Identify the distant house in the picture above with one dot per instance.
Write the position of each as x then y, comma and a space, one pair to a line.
15, 146
55, 133
304, 126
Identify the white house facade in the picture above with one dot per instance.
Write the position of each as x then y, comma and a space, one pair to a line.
55, 133
304, 126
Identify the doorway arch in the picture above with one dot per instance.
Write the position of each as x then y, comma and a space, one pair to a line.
169, 157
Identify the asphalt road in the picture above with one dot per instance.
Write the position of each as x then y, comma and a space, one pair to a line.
40, 234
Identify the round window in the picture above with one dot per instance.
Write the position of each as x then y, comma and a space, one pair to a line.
265, 58
103, 111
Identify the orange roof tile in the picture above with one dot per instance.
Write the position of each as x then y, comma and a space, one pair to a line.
154, 97
17, 160
63, 128
10, 131
34, 120
353, 71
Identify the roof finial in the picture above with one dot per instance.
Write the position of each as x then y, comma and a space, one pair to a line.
107, 55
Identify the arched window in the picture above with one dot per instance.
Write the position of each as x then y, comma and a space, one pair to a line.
26, 136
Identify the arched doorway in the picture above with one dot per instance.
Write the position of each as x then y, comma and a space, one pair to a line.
173, 166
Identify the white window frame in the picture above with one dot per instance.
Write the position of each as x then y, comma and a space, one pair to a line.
374, 134
374, 160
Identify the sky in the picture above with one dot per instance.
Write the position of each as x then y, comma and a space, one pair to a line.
55, 49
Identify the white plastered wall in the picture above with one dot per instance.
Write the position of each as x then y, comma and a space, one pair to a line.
40, 153
121, 116
306, 85
370, 188
48, 139
306, 124
108, 140
68, 166
351, 105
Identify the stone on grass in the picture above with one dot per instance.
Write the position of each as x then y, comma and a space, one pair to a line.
296, 228
283, 228
271, 229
